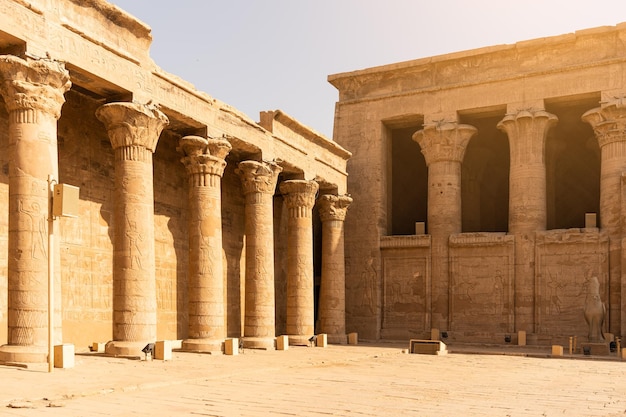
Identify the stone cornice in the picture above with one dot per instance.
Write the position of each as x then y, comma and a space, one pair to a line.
132, 124
33, 84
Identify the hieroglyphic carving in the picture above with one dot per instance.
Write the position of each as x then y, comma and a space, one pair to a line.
204, 161
566, 261
33, 91
134, 130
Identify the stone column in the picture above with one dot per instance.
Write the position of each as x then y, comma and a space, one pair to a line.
443, 145
300, 198
259, 183
527, 131
33, 94
609, 125
332, 301
134, 130
204, 160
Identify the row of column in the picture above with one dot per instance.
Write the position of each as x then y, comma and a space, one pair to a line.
443, 145
33, 92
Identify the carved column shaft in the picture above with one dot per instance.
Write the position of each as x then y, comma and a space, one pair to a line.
527, 131
300, 199
259, 183
443, 145
332, 298
609, 125
204, 160
33, 94
134, 130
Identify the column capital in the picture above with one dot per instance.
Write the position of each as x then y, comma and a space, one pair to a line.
608, 121
528, 124
299, 193
204, 156
444, 141
132, 124
258, 177
33, 84
333, 207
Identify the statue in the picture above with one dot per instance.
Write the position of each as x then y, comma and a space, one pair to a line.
595, 311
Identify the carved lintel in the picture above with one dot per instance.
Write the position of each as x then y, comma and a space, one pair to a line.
132, 124
333, 207
33, 84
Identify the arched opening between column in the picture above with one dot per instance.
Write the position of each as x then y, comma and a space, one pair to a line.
572, 165
485, 175
407, 180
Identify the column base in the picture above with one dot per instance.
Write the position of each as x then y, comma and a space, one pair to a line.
338, 339
214, 346
123, 348
23, 354
265, 343
300, 340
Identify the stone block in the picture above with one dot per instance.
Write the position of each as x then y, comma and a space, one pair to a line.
98, 347
353, 338
590, 220
64, 356
434, 334
557, 350
595, 349
427, 347
420, 228
231, 346
163, 350
321, 340
623, 353
521, 338
282, 342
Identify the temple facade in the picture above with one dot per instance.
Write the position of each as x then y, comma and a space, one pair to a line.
489, 190
195, 222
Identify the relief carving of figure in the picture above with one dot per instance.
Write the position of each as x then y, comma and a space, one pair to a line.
134, 237
38, 229
595, 311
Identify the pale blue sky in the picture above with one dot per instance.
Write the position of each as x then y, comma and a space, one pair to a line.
276, 54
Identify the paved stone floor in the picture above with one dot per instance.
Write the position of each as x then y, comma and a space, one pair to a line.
363, 380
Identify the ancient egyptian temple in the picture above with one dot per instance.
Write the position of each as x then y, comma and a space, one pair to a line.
489, 190
477, 196
195, 222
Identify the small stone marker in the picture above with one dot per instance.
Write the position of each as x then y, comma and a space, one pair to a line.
353, 338
521, 338
557, 350
321, 340
163, 350
282, 342
64, 356
427, 347
231, 346
98, 347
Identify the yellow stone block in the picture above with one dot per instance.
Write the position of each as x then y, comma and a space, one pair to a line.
282, 343
557, 350
64, 356
434, 334
231, 346
353, 338
98, 347
322, 340
163, 350
521, 338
